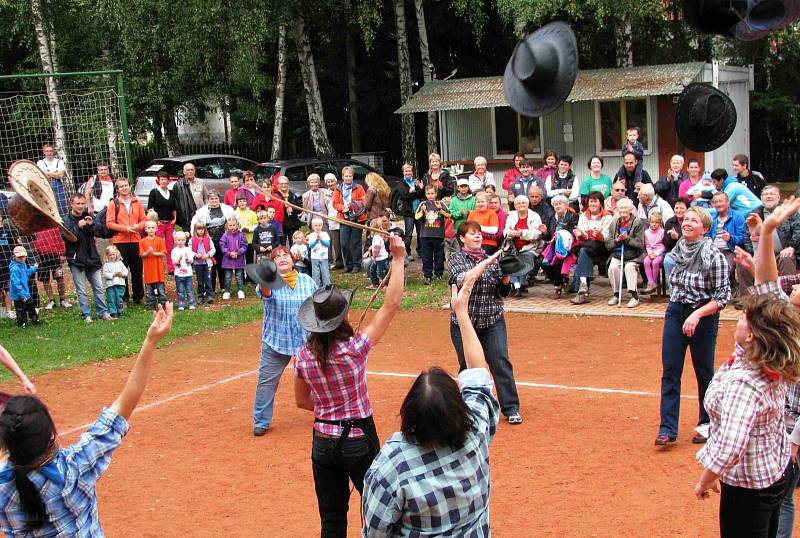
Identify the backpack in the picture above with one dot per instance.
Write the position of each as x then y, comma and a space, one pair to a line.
100, 228
397, 203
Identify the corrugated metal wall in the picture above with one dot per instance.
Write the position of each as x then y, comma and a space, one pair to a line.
468, 134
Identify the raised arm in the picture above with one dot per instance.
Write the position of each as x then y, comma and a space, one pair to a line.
459, 301
394, 292
137, 380
765, 264
11, 365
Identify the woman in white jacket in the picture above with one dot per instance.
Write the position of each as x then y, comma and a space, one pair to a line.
594, 227
523, 228
214, 215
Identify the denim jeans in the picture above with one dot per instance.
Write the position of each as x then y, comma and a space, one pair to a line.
183, 287
239, 279
377, 270
432, 256
95, 279
270, 371
409, 225
350, 239
786, 517
61, 197
673, 355
494, 341
203, 273
752, 513
114, 295
332, 475
155, 292
321, 272
584, 268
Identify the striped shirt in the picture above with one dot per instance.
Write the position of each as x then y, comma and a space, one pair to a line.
340, 391
747, 444
486, 301
697, 289
281, 330
411, 490
71, 506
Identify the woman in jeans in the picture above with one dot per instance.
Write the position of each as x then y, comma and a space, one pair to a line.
699, 290
594, 227
331, 381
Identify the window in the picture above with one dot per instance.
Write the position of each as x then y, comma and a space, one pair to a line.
296, 174
613, 119
514, 132
322, 168
209, 169
238, 166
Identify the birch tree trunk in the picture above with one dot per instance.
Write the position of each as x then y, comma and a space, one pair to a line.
316, 117
280, 87
112, 133
433, 143
624, 37
404, 72
352, 87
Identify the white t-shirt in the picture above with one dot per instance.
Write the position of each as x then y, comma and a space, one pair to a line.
382, 253
51, 165
106, 193
318, 250
182, 258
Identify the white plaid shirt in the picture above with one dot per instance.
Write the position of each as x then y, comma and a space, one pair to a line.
747, 444
697, 289
410, 490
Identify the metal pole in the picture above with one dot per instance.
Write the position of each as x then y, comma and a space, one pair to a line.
123, 117
67, 74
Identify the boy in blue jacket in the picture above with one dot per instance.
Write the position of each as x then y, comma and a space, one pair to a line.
19, 274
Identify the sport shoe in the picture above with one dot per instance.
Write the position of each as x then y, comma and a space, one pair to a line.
192, 307
88, 319
258, 432
516, 418
583, 288
226, 296
49, 305
614, 300
181, 308
107, 317
633, 303
240, 294
65, 304
10, 314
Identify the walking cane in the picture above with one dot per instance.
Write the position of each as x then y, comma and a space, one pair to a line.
621, 272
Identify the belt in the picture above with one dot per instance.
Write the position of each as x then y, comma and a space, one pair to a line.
366, 424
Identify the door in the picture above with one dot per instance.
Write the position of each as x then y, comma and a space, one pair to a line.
668, 142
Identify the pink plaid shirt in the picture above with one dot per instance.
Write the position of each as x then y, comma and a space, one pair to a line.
340, 392
747, 444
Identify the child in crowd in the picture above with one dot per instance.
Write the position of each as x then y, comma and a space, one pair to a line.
319, 242
182, 260
265, 236
52, 255
19, 273
7, 240
488, 220
299, 251
234, 247
379, 253
433, 213
654, 244
115, 275
632, 145
248, 220
153, 251
461, 204
450, 241
702, 193
203, 250
276, 224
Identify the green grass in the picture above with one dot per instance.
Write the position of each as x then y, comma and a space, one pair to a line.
64, 339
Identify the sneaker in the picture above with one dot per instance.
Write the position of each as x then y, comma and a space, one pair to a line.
583, 288
258, 432
192, 307
10, 314
427, 281
88, 319
240, 294
613, 301
515, 418
107, 317
650, 289
49, 305
65, 304
226, 296
633, 303
181, 308
22, 325
209, 300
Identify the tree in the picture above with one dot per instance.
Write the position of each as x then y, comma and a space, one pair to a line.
404, 72
427, 73
352, 88
277, 131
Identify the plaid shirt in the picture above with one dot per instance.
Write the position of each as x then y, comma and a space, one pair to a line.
281, 330
697, 289
747, 444
72, 507
410, 490
340, 391
486, 302
780, 289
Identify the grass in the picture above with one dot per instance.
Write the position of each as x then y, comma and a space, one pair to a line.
64, 339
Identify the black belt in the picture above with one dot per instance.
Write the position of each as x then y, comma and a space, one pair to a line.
366, 424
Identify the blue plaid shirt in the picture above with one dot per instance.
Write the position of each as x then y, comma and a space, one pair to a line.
410, 490
71, 506
281, 330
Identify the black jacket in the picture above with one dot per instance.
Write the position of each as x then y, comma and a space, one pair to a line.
788, 232
291, 221
186, 206
630, 182
448, 183
406, 207
671, 224
668, 189
83, 252
548, 216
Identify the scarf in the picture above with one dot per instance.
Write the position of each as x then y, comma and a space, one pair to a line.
692, 257
347, 192
476, 255
291, 278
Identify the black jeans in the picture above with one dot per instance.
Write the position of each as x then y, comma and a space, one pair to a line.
332, 475
131, 259
432, 256
753, 513
25, 308
410, 224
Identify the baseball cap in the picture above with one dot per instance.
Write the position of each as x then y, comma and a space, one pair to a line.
462, 182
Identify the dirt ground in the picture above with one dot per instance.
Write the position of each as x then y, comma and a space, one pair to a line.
582, 464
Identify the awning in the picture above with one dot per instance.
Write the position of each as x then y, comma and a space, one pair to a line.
591, 85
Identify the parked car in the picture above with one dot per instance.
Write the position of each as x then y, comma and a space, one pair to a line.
213, 169
298, 170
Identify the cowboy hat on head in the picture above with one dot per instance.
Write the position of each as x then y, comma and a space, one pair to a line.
746, 20
705, 117
265, 273
325, 310
34, 207
542, 70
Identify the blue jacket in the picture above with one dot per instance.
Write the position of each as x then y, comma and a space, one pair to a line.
19, 273
743, 201
735, 226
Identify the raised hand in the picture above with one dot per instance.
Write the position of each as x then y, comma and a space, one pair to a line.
162, 322
459, 298
753, 221
397, 247
744, 259
781, 214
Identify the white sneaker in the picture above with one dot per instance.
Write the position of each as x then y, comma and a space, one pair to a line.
633, 303
192, 307
226, 296
240, 294
88, 319
614, 300
181, 308
49, 305
11, 314
65, 304
107, 317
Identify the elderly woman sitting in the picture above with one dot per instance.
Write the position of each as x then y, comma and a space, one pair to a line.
626, 245
594, 227
565, 220
649, 202
522, 228
480, 178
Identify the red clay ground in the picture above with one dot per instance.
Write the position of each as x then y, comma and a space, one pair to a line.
582, 464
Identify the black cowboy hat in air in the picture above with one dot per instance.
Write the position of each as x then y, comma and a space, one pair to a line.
325, 309
746, 20
705, 117
265, 273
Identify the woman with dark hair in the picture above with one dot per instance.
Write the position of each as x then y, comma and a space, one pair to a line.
443, 446
548, 172
331, 381
595, 181
47, 490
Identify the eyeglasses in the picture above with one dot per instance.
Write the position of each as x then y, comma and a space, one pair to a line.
619, 190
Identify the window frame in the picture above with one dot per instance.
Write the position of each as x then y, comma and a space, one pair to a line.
496, 155
623, 116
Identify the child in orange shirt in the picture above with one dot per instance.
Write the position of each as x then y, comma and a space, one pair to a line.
153, 251
488, 220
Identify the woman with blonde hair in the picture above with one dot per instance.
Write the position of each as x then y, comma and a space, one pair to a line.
439, 177
376, 202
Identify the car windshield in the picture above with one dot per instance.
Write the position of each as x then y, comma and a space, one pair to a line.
264, 171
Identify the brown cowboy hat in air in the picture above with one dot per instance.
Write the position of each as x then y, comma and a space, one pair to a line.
33, 208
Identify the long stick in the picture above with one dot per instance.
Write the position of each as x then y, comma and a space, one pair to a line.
372, 299
334, 219
621, 272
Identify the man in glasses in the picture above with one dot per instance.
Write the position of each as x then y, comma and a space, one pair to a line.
618, 191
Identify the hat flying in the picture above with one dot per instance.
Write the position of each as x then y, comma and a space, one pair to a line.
746, 20
265, 273
705, 117
765, 16
542, 70
325, 310
33, 208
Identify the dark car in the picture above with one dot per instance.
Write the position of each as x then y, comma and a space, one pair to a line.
298, 170
213, 169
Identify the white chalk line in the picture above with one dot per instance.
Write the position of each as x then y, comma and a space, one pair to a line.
240, 375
